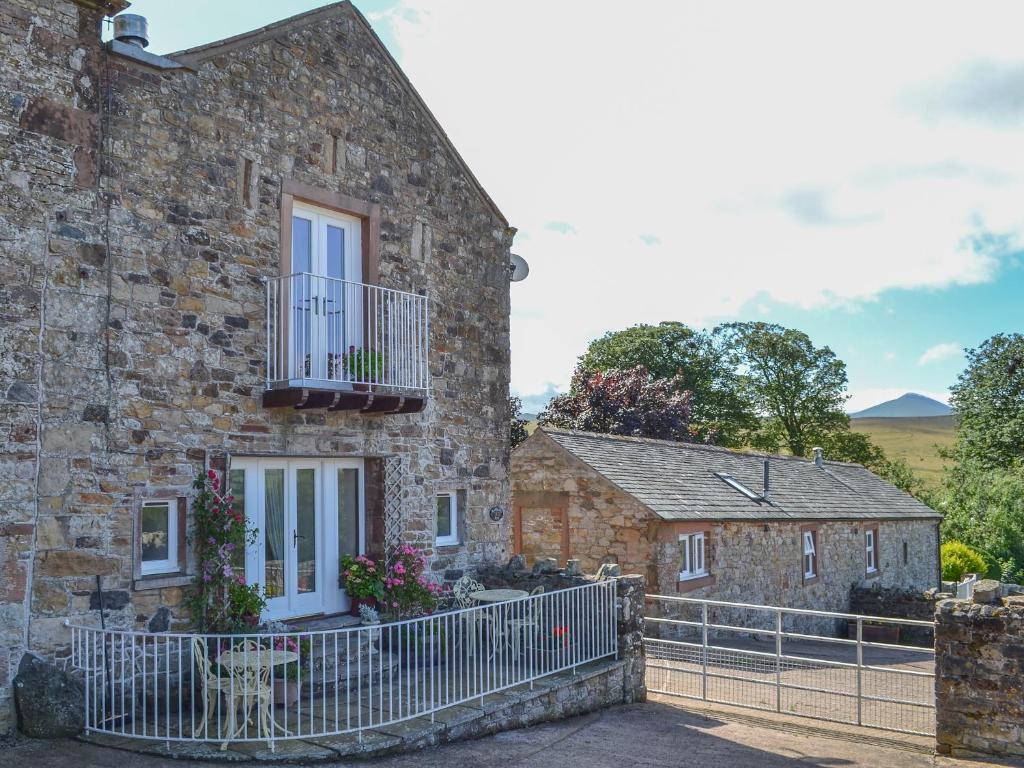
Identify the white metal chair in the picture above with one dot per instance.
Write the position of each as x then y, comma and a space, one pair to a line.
245, 686
474, 623
213, 686
526, 624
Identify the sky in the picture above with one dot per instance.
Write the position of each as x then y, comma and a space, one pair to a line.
853, 170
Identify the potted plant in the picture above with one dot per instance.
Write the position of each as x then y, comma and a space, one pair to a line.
360, 577
553, 642
286, 676
363, 366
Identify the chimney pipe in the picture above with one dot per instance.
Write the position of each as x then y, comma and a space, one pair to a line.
764, 493
819, 457
132, 29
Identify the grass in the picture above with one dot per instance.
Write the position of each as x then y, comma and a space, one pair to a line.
915, 439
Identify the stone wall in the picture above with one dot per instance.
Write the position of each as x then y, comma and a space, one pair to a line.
979, 677
605, 525
896, 603
132, 327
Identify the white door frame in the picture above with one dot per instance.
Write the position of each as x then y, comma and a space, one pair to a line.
328, 596
315, 293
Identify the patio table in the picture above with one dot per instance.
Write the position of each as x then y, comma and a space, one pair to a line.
501, 634
250, 662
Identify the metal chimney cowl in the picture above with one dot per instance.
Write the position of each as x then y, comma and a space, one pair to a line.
131, 28
819, 457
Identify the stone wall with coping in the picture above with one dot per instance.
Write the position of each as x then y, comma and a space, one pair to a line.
133, 323
979, 677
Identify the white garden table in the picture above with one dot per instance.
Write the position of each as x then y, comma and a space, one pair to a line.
502, 632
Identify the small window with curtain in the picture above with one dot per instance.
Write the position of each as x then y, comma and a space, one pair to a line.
810, 554
691, 556
158, 524
447, 520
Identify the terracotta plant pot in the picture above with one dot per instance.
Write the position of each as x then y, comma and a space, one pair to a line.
286, 692
357, 601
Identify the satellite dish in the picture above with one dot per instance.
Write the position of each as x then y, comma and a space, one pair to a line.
518, 269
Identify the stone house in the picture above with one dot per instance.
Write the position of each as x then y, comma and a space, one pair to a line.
261, 256
714, 523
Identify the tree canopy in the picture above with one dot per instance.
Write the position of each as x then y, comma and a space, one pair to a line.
516, 426
624, 402
691, 359
988, 399
797, 389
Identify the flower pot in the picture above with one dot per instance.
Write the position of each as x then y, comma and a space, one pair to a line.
357, 601
286, 692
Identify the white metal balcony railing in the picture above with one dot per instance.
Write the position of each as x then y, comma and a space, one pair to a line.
335, 334
180, 687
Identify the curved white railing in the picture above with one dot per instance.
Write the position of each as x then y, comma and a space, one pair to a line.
273, 686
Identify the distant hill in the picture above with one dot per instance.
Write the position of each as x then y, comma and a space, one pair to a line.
910, 405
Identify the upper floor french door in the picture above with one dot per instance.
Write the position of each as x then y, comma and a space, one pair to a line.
326, 302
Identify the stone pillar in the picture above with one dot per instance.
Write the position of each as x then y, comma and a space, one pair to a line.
629, 602
979, 677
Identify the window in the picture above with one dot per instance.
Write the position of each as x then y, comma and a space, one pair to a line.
159, 535
810, 541
691, 556
734, 483
447, 519
871, 550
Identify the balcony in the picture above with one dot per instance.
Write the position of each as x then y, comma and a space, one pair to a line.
342, 345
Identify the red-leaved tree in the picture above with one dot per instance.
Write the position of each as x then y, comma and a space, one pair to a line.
624, 402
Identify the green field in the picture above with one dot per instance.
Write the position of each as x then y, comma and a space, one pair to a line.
916, 439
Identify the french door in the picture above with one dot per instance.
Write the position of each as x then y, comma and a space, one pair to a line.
325, 292
307, 514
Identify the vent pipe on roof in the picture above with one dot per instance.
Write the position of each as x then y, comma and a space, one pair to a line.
132, 29
819, 457
764, 493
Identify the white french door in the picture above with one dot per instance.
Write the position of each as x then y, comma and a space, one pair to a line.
326, 292
307, 513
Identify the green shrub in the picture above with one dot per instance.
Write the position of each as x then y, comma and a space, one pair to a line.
958, 559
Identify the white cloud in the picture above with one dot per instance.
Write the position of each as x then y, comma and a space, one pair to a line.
773, 152
940, 352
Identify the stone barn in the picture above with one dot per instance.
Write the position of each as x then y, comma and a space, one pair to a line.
719, 524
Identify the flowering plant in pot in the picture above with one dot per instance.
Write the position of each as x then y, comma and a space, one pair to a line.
220, 600
361, 578
286, 676
407, 590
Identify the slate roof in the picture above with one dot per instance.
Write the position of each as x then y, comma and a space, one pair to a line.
677, 481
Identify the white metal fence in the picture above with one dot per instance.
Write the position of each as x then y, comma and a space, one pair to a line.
791, 661
268, 687
327, 332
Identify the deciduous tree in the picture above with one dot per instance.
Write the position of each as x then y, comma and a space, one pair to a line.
624, 402
690, 358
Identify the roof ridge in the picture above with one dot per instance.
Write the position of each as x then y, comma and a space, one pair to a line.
692, 446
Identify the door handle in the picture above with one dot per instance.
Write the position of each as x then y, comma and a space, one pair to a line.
295, 538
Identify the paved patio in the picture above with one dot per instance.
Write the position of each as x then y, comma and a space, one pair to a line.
656, 734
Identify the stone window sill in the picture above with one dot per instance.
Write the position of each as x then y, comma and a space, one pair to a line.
447, 549
160, 581
696, 582
812, 579
873, 574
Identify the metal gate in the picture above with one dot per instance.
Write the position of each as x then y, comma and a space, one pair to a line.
861, 670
